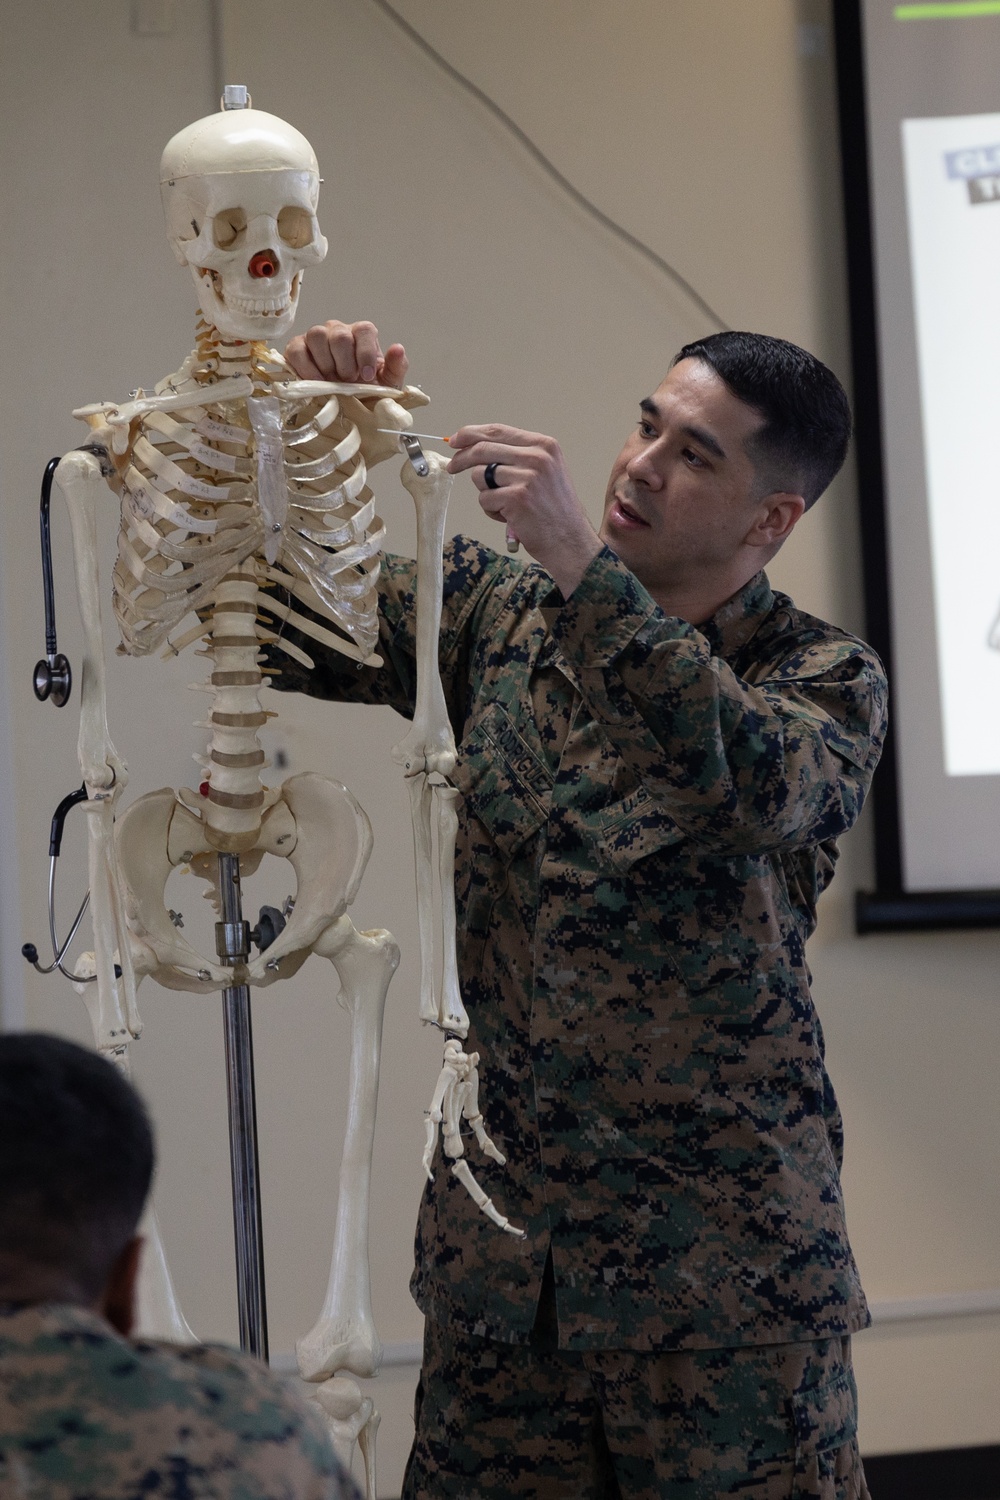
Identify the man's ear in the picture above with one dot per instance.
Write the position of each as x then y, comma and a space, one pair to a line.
776, 517
119, 1300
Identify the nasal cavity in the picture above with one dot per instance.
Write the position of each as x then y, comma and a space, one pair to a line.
264, 263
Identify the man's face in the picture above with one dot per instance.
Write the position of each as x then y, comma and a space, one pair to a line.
683, 492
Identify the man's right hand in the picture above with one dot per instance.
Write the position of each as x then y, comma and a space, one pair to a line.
533, 492
346, 351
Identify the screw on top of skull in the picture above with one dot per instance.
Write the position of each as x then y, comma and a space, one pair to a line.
264, 264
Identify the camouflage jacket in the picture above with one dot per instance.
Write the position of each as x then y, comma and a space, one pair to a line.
88, 1415
650, 813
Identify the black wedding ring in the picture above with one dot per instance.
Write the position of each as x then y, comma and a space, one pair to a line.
490, 476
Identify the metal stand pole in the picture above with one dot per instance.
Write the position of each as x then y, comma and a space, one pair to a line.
232, 942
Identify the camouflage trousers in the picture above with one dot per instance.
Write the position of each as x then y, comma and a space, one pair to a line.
496, 1420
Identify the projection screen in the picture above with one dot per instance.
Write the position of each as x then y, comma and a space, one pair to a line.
923, 82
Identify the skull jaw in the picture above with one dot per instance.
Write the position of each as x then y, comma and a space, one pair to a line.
236, 322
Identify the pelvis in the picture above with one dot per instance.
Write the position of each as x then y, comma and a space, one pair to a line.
314, 823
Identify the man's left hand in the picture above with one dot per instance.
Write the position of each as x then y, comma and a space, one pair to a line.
534, 495
348, 352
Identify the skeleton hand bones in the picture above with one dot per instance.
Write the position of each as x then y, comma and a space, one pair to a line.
456, 1097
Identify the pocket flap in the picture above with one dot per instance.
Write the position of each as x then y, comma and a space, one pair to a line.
826, 1417
504, 783
634, 827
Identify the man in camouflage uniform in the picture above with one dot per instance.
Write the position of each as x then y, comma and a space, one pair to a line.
657, 756
86, 1413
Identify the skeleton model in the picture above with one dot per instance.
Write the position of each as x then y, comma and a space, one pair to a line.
244, 496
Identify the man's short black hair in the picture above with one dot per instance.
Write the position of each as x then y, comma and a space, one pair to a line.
76, 1159
807, 416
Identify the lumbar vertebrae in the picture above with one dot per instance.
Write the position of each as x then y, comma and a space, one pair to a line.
244, 497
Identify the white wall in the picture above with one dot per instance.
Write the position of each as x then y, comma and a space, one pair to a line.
709, 130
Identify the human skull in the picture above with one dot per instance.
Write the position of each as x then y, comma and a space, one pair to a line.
239, 192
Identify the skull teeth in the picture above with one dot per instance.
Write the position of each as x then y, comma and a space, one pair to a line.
258, 306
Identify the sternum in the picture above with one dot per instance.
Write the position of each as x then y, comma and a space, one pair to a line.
235, 791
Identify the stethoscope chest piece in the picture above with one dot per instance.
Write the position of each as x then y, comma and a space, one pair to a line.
53, 678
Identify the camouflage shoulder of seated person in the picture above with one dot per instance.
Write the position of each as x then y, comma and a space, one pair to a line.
85, 1412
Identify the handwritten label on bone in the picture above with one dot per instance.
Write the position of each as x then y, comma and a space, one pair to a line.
213, 459
199, 490
142, 503
222, 432
149, 501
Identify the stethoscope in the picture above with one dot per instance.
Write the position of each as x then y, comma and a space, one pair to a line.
53, 679
53, 676
59, 949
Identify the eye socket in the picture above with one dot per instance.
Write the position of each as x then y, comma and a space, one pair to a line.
227, 227
295, 226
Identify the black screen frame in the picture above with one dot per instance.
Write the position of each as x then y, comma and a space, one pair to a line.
889, 907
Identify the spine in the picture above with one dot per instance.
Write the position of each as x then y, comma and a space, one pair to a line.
233, 789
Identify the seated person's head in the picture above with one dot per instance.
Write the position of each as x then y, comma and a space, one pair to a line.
76, 1158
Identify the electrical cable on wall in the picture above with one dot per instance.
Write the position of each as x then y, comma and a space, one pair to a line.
551, 169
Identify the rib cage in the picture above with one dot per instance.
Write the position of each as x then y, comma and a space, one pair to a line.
236, 510
191, 511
